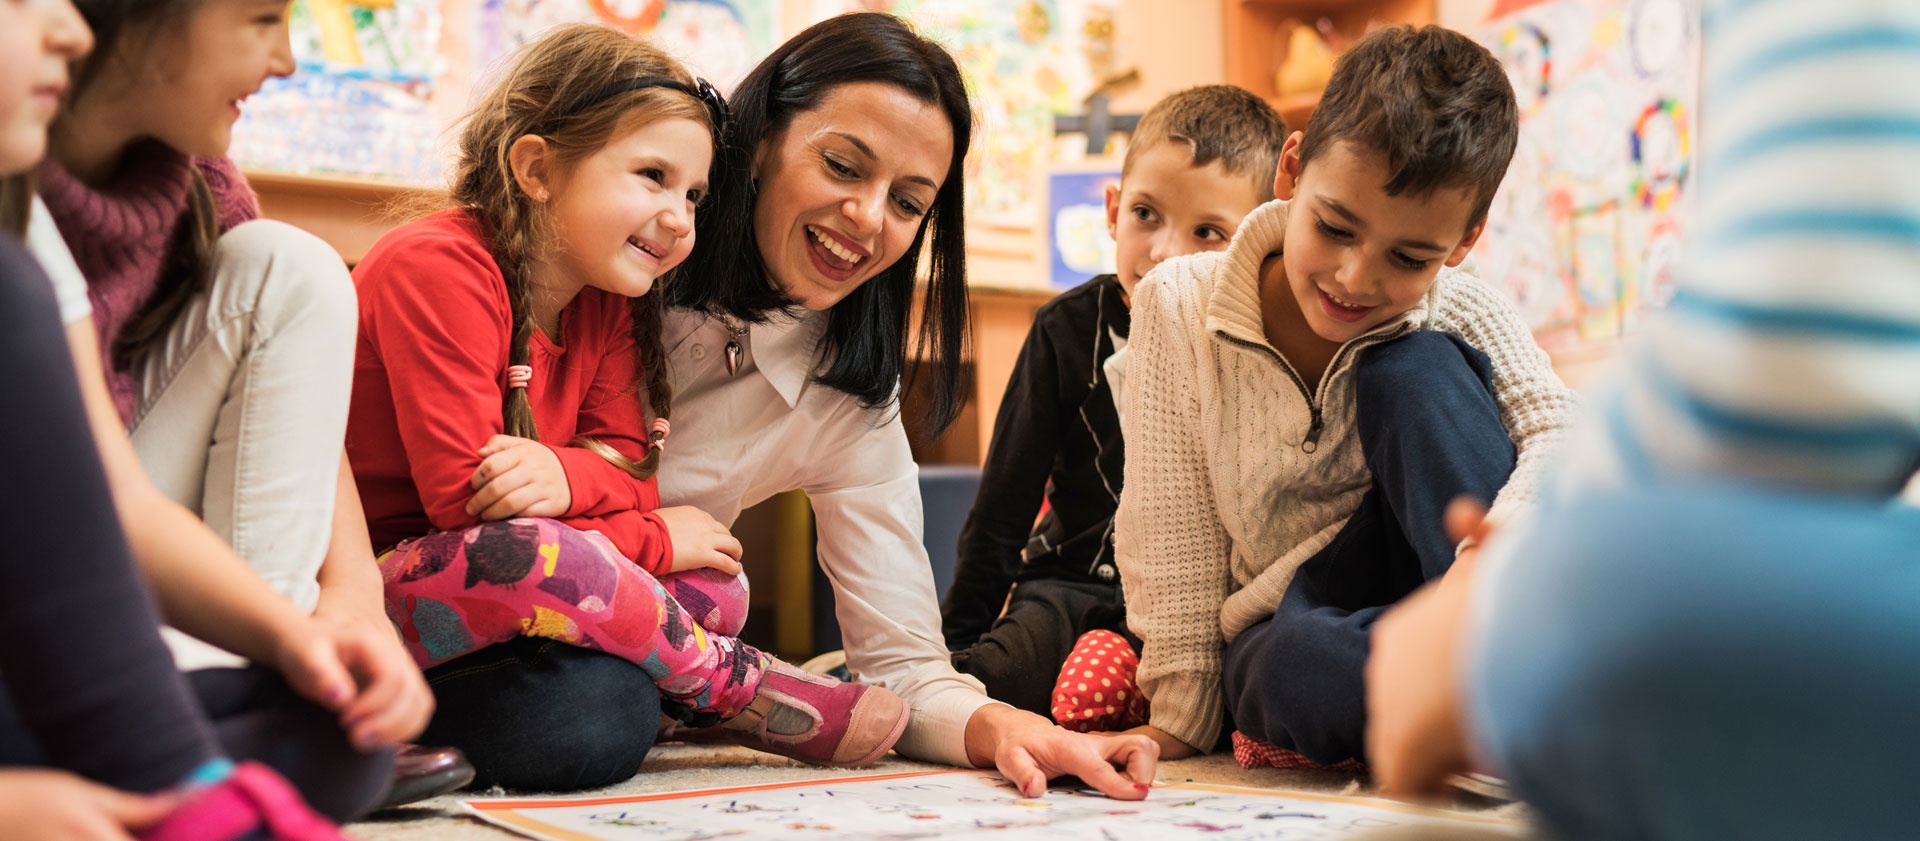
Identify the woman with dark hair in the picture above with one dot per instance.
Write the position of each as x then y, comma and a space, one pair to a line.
788, 339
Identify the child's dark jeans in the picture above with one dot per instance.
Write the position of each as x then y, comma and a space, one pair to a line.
1431, 432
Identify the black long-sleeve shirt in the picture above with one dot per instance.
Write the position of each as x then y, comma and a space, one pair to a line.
1057, 436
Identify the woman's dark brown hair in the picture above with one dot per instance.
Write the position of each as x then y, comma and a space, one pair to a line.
865, 346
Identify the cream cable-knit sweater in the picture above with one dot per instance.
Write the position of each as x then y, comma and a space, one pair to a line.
1224, 495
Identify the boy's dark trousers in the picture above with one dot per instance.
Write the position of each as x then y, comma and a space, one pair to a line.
1019, 658
1430, 431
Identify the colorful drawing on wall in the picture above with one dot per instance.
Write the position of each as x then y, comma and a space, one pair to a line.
359, 103
1587, 226
1078, 242
969, 804
1025, 60
718, 39
362, 101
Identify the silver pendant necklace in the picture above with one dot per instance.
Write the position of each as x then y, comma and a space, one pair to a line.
734, 350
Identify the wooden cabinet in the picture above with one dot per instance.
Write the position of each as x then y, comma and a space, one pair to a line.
1256, 34
351, 214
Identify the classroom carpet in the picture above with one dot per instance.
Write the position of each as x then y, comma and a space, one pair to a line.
676, 767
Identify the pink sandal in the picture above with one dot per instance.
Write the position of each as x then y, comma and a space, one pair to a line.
817, 719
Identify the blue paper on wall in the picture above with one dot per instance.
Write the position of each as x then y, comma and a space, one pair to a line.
1078, 245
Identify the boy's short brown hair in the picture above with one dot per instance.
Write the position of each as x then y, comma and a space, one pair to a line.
1437, 105
1224, 123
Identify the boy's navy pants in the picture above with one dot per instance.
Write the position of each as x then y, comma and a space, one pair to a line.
1430, 431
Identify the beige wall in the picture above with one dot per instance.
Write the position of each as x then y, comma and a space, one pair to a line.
1464, 15
1175, 43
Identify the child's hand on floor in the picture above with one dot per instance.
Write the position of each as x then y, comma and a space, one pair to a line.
392, 704
699, 540
1416, 731
518, 477
46, 805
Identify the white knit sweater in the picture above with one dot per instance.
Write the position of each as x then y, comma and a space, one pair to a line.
1224, 498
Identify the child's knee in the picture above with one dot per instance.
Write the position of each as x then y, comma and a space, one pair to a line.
285, 275
716, 600
1422, 367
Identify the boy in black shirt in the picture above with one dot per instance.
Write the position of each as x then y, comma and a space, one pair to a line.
1200, 161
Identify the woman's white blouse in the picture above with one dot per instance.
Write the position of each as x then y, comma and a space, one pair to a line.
739, 439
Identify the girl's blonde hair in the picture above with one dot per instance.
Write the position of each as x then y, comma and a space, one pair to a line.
556, 89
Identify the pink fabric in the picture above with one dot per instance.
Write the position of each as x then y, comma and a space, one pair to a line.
714, 599
254, 803
120, 231
454, 593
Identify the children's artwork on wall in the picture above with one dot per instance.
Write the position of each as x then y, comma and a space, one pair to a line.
366, 99
719, 40
1078, 242
1587, 226
1025, 60
359, 103
965, 804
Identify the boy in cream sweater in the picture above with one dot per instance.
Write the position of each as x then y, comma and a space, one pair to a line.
1199, 162
1299, 417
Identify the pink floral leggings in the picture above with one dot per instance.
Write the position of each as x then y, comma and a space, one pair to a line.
454, 593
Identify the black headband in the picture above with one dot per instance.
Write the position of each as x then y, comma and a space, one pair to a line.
700, 89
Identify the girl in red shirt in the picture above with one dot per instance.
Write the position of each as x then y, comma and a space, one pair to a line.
497, 431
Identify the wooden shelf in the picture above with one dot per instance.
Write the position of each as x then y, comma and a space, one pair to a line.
340, 185
999, 319
349, 213
1295, 109
1256, 39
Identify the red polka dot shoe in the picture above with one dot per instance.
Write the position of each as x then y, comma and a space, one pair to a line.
1096, 689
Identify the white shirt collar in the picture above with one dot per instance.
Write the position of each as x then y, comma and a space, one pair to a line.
784, 350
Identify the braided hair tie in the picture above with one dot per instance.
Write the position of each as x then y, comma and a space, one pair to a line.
519, 376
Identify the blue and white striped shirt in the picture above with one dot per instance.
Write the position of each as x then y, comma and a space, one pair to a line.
1792, 352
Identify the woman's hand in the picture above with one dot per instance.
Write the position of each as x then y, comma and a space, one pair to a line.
1416, 730
47, 805
1029, 750
518, 477
699, 540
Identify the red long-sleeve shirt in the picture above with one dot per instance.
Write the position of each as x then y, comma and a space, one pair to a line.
430, 374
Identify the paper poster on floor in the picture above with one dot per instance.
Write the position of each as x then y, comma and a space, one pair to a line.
964, 804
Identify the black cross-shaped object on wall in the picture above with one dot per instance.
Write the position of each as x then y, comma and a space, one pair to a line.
1098, 123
